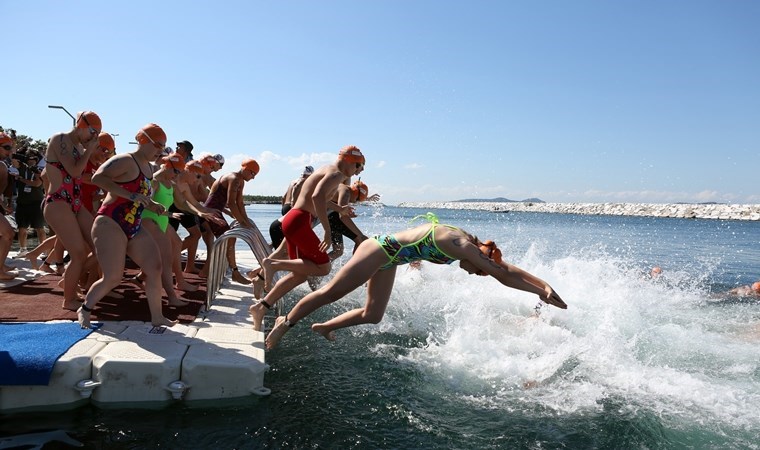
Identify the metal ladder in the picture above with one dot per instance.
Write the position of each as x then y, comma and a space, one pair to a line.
217, 258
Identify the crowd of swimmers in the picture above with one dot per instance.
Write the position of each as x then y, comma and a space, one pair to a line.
151, 191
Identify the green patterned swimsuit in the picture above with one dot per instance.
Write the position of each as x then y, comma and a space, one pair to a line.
424, 249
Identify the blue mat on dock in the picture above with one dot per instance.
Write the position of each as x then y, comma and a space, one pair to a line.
28, 351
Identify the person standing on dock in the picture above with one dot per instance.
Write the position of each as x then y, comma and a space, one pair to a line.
67, 156
30, 194
6, 230
185, 149
308, 255
227, 195
117, 231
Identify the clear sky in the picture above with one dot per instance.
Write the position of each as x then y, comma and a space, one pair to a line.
568, 101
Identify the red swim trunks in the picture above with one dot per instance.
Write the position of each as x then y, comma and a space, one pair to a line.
302, 241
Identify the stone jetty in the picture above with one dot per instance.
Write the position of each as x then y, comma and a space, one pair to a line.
677, 210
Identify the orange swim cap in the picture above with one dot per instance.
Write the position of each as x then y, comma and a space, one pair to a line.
154, 131
174, 161
5, 139
195, 167
106, 141
756, 286
360, 189
250, 164
87, 119
490, 249
351, 154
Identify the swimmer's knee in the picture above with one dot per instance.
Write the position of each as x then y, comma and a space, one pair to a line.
112, 280
79, 253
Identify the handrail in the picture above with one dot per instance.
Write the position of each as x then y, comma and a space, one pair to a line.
217, 257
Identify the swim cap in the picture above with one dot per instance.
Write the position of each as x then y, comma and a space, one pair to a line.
249, 164
155, 132
756, 286
351, 154
308, 170
207, 159
106, 141
195, 167
174, 161
490, 249
219, 158
5, 139
360, 189
87, 119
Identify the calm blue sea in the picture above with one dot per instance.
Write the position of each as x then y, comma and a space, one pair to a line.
462, 362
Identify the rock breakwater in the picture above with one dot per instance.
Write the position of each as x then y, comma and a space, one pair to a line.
676, 210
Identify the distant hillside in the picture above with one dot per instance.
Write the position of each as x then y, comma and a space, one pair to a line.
501, 200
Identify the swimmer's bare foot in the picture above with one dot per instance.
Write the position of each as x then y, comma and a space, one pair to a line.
7, 276
164, 322
258, 287
239, 278
258, 311
252, 274
190, 267
33, 261
279, 330
266, 270
46, 267
187, 287
72, 305
176, 301
324, 330
83, 317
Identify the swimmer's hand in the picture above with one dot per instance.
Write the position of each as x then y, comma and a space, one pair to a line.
91, 143
553, 298
141, 199
213, 218
326, 242
347, 211
155, 207
373, 198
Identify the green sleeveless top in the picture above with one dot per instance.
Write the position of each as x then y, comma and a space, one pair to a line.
165, 196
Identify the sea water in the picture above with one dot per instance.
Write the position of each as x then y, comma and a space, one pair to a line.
460, 361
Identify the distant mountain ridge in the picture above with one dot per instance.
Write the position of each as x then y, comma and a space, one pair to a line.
501, 200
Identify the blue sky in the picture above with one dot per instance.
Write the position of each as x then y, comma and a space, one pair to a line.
568, 101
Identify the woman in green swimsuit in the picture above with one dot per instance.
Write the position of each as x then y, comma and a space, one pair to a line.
157, 226
376, 260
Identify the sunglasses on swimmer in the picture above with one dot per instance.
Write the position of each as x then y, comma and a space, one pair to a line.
7, 147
